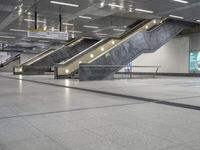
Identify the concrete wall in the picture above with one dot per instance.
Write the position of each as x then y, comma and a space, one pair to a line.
25, 57
173, 57
195, 42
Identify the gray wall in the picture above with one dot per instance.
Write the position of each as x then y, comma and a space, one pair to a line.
25, 57
195, 42
173, 57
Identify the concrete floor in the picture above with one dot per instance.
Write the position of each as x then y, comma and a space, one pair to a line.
38, 116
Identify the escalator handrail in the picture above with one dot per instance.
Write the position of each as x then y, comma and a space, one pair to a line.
102, 42
47, 51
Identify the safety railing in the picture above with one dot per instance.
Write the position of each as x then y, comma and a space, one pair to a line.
96, 72
133, 71
69, 67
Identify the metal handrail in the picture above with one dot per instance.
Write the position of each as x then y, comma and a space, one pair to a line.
78, 57
46, 52
101, 43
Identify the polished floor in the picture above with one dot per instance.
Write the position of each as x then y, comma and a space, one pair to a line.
40, 113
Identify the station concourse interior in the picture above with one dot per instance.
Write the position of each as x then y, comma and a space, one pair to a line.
99, 75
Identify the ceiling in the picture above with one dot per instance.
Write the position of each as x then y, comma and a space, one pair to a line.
13, 15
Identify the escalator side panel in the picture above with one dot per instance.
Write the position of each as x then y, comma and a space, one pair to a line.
127, 51
66, 52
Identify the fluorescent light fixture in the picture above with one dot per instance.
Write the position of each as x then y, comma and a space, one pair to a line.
85, 17
31, 20
43, 41
87, 37
7, 37
93, 27
198, 20
66, 4
120, 30
114, 5
178, 17
68, 24
181, 1
101, 34
75, 31
18, 30
143, 10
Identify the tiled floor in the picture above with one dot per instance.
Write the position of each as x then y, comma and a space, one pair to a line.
35, 116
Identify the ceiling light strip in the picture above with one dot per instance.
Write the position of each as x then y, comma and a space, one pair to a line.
31, 20
85, 17
114, 5
143, 10
178, 17
181, 1
18, 30
93, 27
120, 30
65, 4
7, 37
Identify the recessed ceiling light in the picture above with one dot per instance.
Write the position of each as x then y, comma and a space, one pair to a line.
120, 30
93, 27
31, 20
143, 10
7, 37
66, 4
85, 17
178, 17
18, 30
181, 1
114, 5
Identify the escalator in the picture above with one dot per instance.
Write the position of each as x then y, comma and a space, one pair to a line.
8, 65
104, 60
45, 61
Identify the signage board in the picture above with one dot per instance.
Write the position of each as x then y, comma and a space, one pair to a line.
48, 35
